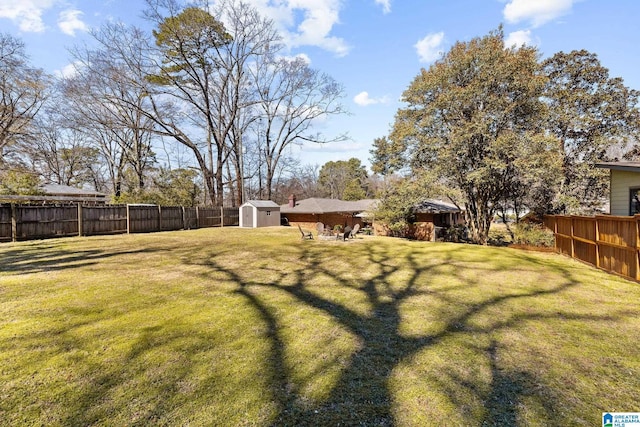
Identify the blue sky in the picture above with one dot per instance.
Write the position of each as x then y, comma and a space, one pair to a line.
373, 47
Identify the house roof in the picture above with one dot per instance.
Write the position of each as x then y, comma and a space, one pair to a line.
65, 190
55, 193
621, 166
262, 203
315, 205
435, 206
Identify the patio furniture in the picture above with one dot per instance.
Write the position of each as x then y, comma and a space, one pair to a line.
305, 234
347, 232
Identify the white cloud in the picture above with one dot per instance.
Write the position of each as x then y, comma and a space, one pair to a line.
363, 99
305, 22
70, 70
537, 12
69, 22
386, 5
302, 56
27, 14
518, 38
319, 19
430, 48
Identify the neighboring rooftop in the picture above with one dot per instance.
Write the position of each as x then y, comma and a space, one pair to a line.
315, 205
621, 166
435, 206
56, 193
65, 190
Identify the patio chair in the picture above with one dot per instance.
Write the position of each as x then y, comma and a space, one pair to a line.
355, 230
305, 234
320, 227
347, 232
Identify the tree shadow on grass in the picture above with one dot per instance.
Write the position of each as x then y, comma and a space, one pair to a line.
362, 394
51, 258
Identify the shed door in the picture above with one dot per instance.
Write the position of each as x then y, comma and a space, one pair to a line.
247, 216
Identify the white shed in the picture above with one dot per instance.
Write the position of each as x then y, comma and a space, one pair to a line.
259, 213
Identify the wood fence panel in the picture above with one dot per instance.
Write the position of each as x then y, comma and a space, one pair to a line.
97, 220
209, 217
563, 245
607, 242
24, 222
190, 218
617, 230
549, 222
38, 222
143, 219
585, 252
564, 225
231, 216
584, 228
5, 223
171, 218
618, 260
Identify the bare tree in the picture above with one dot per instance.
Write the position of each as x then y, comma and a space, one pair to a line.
23, 90
107, 101
292, 98
62, 154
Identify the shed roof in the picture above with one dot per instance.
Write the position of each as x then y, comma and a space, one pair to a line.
621, 166
315, 205
262, 203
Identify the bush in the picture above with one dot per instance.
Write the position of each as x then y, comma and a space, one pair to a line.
533, 235
456, 233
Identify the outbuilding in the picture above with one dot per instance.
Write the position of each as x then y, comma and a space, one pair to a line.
259, 213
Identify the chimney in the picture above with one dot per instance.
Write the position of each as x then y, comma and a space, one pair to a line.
292, 201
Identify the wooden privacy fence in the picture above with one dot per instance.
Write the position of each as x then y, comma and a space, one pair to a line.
27, 222
607, 242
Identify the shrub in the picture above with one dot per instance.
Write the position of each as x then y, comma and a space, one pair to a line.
532, 235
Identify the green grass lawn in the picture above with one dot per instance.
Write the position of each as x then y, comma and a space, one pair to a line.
256, 327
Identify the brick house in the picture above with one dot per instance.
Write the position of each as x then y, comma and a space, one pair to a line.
331, 212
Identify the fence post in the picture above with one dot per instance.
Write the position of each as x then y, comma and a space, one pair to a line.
221, 216
184, 225
597, 238
197, 216
14, 223
128, 220
573, 251
159, 218
80, 230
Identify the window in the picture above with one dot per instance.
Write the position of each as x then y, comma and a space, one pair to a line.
634, 201
268, 213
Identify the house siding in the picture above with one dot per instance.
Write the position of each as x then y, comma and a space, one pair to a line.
621, 184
